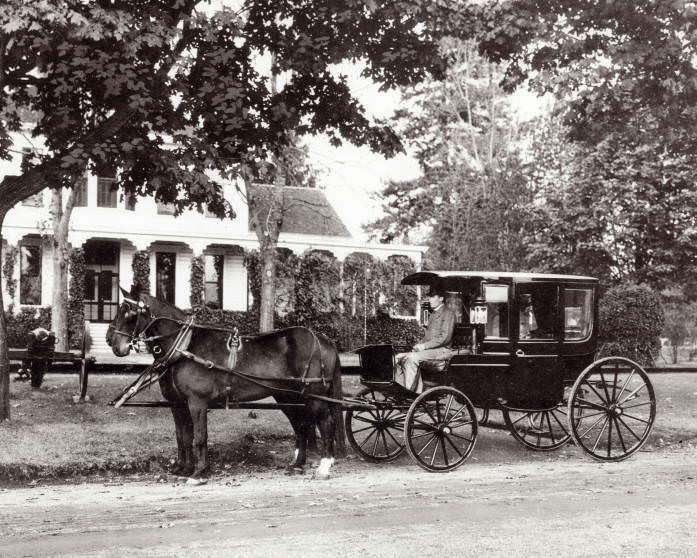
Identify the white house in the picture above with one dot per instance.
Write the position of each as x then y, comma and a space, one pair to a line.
111, 230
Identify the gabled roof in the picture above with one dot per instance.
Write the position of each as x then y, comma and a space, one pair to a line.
306, 211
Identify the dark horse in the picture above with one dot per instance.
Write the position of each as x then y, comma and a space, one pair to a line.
207, 364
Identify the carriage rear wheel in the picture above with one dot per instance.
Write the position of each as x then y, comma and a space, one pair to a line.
376, 434
539, 430
612, 408
440, 429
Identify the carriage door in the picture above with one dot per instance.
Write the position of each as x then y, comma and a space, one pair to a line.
101, 280
539, 377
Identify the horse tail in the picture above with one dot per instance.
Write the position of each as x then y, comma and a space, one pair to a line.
337, 409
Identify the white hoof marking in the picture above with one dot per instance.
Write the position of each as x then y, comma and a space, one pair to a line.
196, 482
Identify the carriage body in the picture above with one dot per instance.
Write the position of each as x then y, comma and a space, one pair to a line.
524, 344
524, 365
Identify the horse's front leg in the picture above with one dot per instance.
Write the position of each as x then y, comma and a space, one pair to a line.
185, 433
199, 415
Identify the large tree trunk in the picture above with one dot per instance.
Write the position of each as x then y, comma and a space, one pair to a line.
61, 252
4, 362
267, 216
267, 304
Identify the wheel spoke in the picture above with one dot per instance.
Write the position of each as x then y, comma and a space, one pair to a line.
445, 453
607, 393
425, 446
619, 434
425, 425
454, 446
609, 436
637, 405
631, 395
561, 425
591, 404
470, 440
626, 383
371, 427
595, 391
549, 424
389, 433
635, 418
373, 433
360, 418
630, 430
593, 426
600, 434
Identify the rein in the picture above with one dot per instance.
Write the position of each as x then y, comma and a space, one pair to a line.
158, 369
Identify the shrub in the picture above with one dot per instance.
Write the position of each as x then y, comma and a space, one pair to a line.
21, 323
631, 321
141, 270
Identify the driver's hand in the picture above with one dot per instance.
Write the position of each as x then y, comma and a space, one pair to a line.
418, 347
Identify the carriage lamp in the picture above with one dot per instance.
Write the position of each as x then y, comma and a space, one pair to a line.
478, 311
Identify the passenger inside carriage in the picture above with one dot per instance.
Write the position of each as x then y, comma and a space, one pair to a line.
436, 344
537, 309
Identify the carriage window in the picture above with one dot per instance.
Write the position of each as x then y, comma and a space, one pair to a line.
578, 313
496, 297
537, 311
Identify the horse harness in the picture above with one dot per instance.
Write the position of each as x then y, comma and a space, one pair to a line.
179, 349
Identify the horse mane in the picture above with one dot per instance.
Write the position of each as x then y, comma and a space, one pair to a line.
162, 308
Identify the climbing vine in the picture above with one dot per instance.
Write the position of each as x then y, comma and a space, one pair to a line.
141, 270
196, 282
8, 271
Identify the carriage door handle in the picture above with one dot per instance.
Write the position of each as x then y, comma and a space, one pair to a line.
520, 353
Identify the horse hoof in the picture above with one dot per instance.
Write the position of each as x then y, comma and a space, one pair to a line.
321, 476
191, 481
295, 471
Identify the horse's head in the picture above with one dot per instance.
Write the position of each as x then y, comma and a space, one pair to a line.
131, 319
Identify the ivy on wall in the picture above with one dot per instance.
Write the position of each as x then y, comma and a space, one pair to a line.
317, 287
76, 297
8, 271
141, 270
196, 282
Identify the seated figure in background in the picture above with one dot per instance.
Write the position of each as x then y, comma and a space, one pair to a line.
435, 344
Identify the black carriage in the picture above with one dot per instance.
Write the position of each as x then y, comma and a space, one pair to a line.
524, 344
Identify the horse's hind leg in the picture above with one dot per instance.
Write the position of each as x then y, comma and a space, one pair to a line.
199, 415
301, 426
325, 422
184, 428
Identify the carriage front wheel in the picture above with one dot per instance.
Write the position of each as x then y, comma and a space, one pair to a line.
612, 408
440, 429
376, 434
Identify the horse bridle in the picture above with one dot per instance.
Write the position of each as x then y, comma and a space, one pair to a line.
136, 336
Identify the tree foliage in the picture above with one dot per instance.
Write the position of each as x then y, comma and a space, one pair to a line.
470, 202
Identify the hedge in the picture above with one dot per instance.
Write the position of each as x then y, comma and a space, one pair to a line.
631, 321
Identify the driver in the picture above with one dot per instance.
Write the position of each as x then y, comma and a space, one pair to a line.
435, 344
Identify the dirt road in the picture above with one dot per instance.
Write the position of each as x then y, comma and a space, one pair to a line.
563, 505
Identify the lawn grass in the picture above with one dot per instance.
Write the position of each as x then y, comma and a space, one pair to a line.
52, 437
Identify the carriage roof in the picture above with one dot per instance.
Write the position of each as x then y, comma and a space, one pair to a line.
455, 278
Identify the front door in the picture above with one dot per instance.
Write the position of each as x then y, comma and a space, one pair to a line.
101, 280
